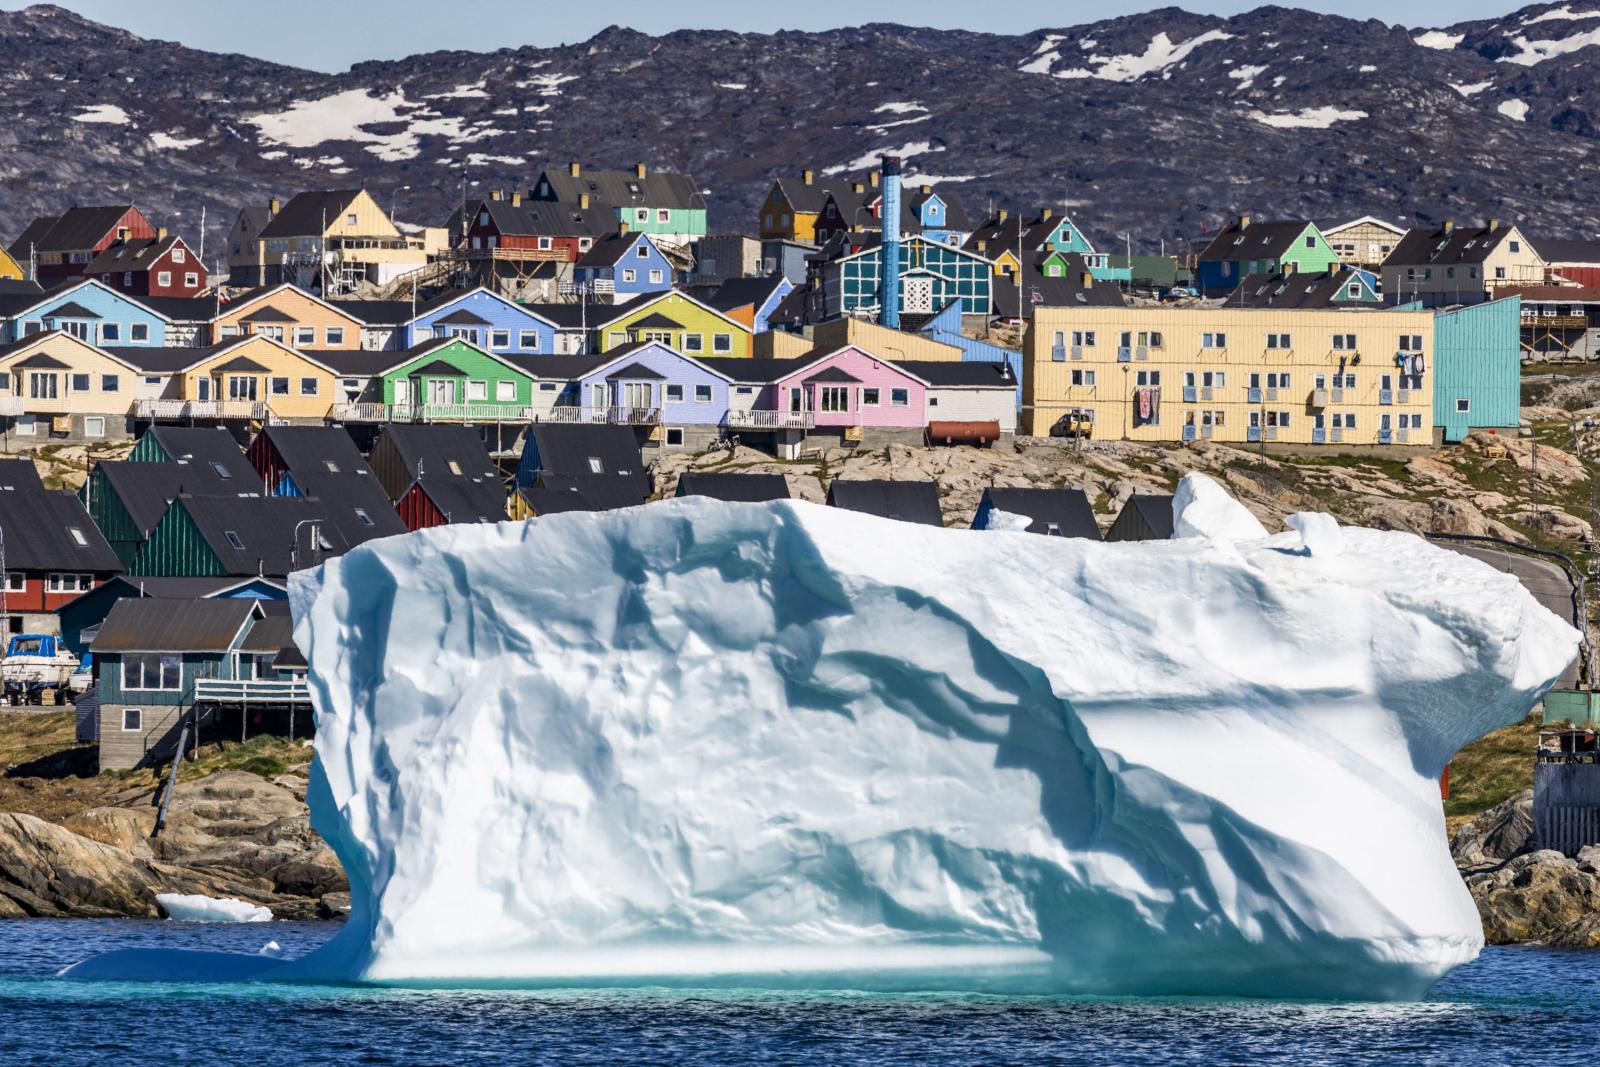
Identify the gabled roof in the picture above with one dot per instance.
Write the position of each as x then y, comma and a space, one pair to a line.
1294, 290
207, 445
559, 368
832, 374
598, 318
138, 254
160, 360
146, 489
440, 369
309, 214
810, 196
952, 374
999, 236
440, 449
434, 344
534, 218
743, 488
745, 292
148, 624
1042, 290
272, 633
1576, 252
46, 529
268, 314
205, 355
28, 240
453, 296
463, 317
44, 361
240, 365
636, 372
266, 528
584, 449
554, 495
353, 503
1365, 220
1067, 510
657, 321
624, 188
1448, 245
1154, 510
255, 296
1257, 240
179, 308
80, 228
463, 499
907, 501
306, 448
71, 310
606, 252
376, 312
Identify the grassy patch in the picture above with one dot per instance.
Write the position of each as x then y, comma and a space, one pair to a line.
1491, 769
265, 756
28, 741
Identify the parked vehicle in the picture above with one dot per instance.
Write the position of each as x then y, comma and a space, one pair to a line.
35, 663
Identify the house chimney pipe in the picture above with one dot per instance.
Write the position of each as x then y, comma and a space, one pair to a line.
889, 300
574, 170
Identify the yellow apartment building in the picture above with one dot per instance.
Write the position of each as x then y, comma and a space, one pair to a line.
1237, 375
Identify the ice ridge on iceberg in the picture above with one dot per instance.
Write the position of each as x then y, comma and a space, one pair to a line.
781, 744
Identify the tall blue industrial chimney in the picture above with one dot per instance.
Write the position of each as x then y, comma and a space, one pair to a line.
889, 299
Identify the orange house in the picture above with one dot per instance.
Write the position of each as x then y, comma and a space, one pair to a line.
290, 316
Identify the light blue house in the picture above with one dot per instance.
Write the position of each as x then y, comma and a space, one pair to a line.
484, 319
945, 327
626, 265
649, 383
89, 311
1477, 368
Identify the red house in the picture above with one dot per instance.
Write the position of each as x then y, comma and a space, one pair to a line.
440, 499
63, 248
527, 229
52, 550
158, 266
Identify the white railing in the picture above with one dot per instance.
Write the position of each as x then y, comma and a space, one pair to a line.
595, 286
265, 690
358, 412
159, 409
614, 416
200, 409
482, 412
771, 420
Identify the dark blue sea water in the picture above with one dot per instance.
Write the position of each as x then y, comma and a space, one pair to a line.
1518, 1005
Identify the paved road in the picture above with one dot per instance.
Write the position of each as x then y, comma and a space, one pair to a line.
1546, 581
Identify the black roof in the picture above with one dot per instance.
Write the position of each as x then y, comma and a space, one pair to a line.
43, 360
462, 317
832, 374
1568, 250
560, 368
996, 373
622, 188
161, 360
268, 313
577, 449
203, 444
432, 448
376, 312
179, 308
440, 368
606, 252
47, 529
80, 228
309, 213
242, 364
28, 240
636, 372
1446, 245
568, 316
265, 527
654, 321
466, 499
1064, 290
753, 371
746, 488
1154, 511
1291, 290
906, 501
146, 489
742, 292
272, 633
312, 448
1067, 510
1246, 239
71, 310
180, 586
354, 362
596, 492
200, 624
135, 254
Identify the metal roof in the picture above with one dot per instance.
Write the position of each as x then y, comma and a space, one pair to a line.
995, 374
1067, 510
906, 501
745, 488
600, 492
466, 499
268, 532
147, 489
308, 214
432, 448
577, 449
150, 624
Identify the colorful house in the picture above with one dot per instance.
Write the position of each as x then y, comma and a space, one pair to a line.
676, 320
88, 310
623, 266
250, 376
443, 499
751, 301
1477, 368
323, 464
1452, 264
666, 205
10, 269
512, 229
405, 452
241, 537
1003, 236
88, 610
1248, 246
53, 384
1335, 288
849, 389
163, 265
61, 247
332, 240
931, 276
794, 208
127, 499
1363, 242
648, 383
484, 319
53, 551
289, 316
452, 380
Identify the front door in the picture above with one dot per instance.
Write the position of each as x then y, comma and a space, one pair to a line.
441, 391
202, 388
402, 391
797, 402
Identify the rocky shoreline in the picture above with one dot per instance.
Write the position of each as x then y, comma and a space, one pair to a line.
1525, 893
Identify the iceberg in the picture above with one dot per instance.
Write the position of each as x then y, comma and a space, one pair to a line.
198, 908
768, 745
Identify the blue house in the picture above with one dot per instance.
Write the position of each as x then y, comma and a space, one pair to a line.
486, 320
945, 327
89, 311
648, 377
759, 296
1477, 368
935, 217
626, 264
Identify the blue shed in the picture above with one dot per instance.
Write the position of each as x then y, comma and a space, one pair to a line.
489, 321
1477, 368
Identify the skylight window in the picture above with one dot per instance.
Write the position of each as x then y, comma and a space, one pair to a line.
363, 517
222, 472
233, 539
333, 468
595, 466
77, 537
455, 468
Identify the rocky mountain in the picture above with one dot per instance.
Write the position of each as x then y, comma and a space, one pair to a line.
1159, 125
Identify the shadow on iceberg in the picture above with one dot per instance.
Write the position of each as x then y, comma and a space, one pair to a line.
778, 745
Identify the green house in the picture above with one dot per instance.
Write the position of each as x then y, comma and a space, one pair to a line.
450, 379
1248, 247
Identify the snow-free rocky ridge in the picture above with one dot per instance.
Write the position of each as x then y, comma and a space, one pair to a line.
789, 745
1161, 124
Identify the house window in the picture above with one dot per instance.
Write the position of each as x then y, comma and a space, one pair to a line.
1276, 340
674, 394
350, 219
505, 392
226, 331
642, 252
869, 398
1344, 342
80, 383
330, 466
139, 332
164, 277
702, 394
191, 279
834, 398
674, 435
1215, 340
243, 387
899, 398
41, 386
1463, 406
663, 215
334, 335
1411, 342
1499, 272
1311, 242
477, 391
1149, 377
151, 671
308, 387
109, 383
279, 387
585, 243
655, 277
305, 336
110, 332
132, 720
94, 426
16, 582
628, 274
500, 339
363, 518
1515, 246
643, 215
221, 471
722, 342
178, 255
69, 583
1083, 338
528, 339
271, 333
1086, 377
694, 342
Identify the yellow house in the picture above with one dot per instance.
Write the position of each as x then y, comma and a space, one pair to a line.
1451, 264
341, 238
256, 376
882, 341
290, 315
677, 320
55, 383
9, 268
1239, 375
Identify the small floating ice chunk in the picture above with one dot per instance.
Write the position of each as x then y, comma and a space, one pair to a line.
196, 908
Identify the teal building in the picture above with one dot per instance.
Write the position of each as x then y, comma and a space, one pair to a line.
1477, 368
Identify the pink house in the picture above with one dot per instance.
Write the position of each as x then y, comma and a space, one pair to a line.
850, 388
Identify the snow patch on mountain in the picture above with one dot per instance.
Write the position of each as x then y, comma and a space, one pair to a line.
1562, 13
1470, 90
1311, 118
110, 114
870, 159
1439, 39
168, 141
1533, 52
1514, 109
1158, 57
1246, 76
